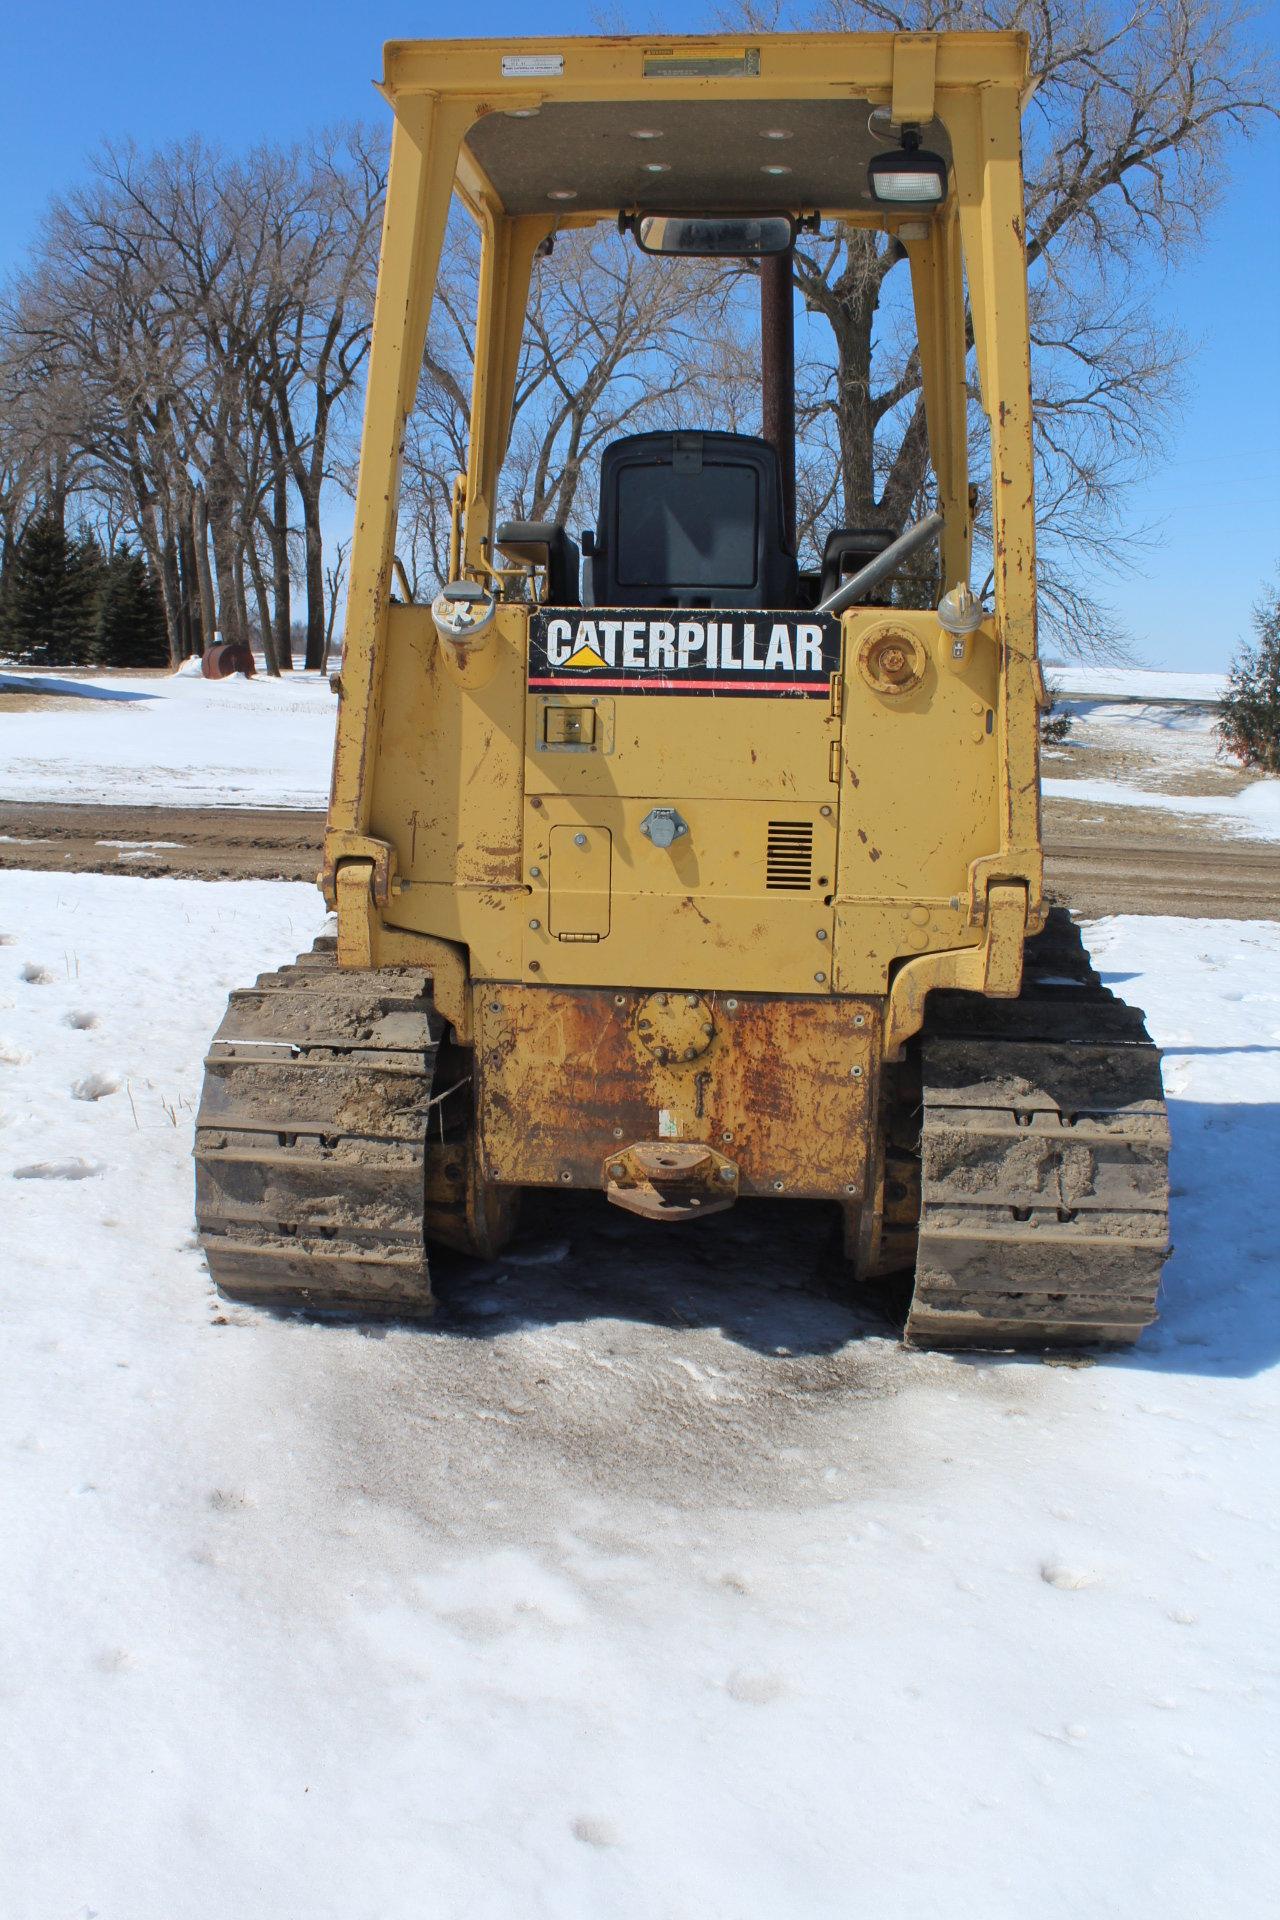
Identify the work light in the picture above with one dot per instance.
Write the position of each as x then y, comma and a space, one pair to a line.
910, 176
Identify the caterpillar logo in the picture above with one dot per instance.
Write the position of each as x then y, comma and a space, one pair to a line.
584, 656
645, 652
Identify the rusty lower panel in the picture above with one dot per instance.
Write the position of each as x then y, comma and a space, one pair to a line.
787, 1086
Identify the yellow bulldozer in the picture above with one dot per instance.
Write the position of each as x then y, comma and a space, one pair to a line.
663, 867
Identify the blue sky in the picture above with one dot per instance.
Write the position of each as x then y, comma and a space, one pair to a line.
72, 73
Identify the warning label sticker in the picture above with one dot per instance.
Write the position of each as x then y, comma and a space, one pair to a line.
635, 652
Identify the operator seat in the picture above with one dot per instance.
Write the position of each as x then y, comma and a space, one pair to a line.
690, 520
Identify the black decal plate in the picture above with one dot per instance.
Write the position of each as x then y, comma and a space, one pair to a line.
674, 651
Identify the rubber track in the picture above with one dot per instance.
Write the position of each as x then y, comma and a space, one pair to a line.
1044, 1162
311, 1139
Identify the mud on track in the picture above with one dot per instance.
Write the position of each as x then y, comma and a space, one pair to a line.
1127, 861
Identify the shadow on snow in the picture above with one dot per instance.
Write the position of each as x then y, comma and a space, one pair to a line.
78, 689
770, 1274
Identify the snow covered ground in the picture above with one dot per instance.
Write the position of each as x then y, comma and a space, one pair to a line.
179, 740
1251, 814
1076, 682
653, 1581
169, 740
1154, 754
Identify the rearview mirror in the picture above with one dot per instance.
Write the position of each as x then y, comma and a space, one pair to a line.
709, 236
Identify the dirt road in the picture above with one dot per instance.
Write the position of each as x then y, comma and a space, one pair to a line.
214, 843
1133, 862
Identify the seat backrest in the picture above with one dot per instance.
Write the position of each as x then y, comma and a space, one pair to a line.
692, 520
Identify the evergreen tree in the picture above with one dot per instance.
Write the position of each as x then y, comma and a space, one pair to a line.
51, 599
1249, 727
131, 627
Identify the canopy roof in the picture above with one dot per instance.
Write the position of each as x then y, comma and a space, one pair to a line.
698, 125
692, 156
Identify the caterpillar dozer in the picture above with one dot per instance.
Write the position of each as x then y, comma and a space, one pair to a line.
663, 867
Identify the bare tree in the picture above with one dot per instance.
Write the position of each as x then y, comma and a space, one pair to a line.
1127, 148
614, 341
184, 353
182, 349
334, 578
320, 348
21, 444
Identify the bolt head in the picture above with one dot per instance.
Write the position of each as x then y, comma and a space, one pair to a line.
859, 1019
732, 1005
726, 1173
617, 1133
779, 1186
495, 1006
534, 926
691, 999
616, 1173
579, 839
819, 977
535, 873
856, 1072
822, 933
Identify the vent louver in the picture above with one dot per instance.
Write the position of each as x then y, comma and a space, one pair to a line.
789, 859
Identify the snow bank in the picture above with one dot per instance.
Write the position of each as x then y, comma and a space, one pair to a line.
170, 740
652, 1581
